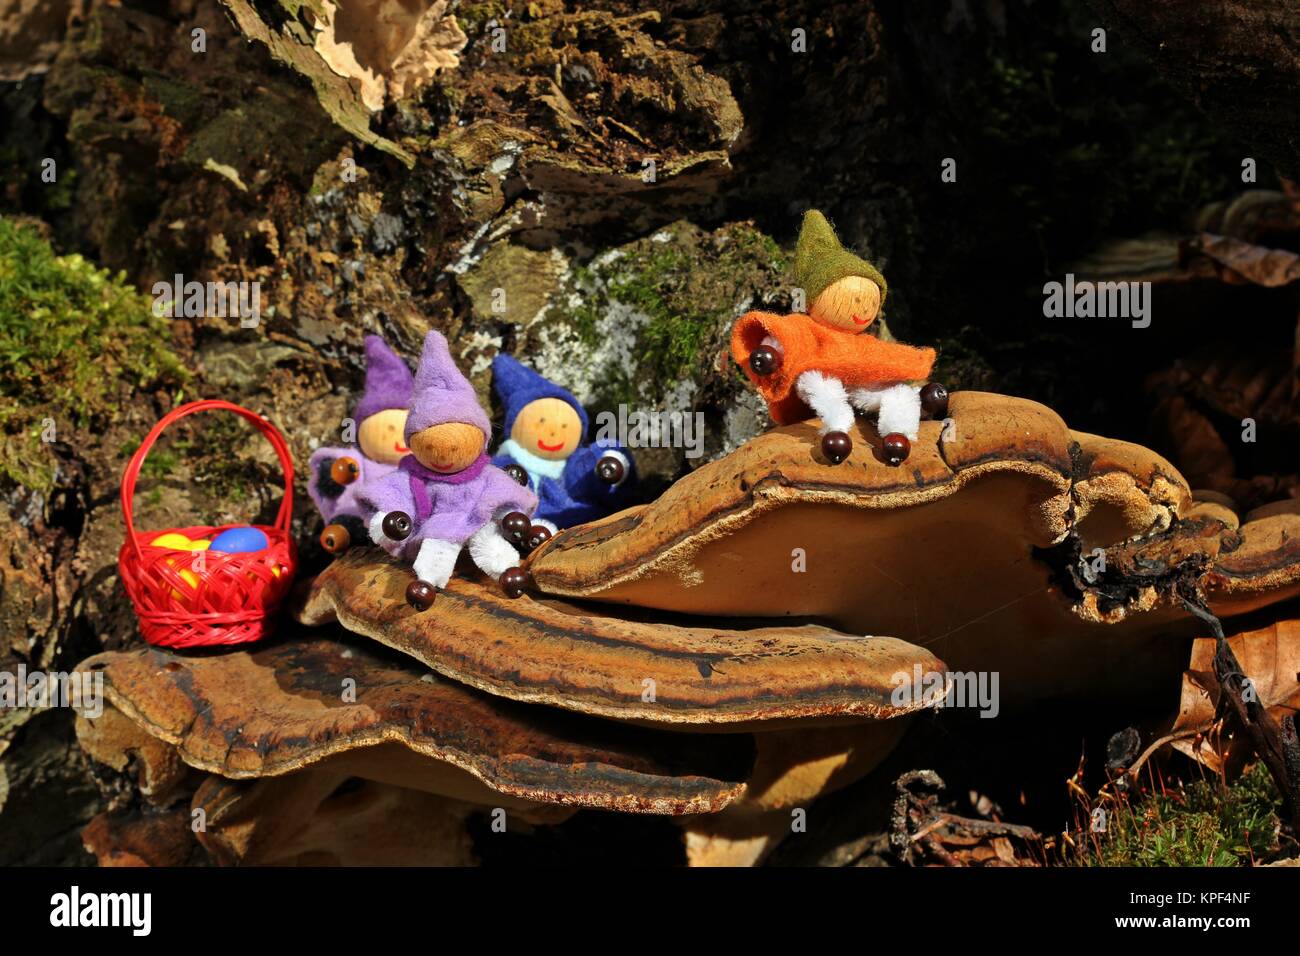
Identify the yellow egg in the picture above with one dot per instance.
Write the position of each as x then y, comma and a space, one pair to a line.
189, 577
178, 542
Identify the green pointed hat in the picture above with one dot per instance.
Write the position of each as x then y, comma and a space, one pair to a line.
819, 259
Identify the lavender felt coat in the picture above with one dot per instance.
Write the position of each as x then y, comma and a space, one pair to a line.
338, 501
446, 508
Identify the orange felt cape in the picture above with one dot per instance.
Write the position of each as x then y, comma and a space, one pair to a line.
857, 360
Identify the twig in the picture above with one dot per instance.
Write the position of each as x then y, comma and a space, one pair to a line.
1280, 754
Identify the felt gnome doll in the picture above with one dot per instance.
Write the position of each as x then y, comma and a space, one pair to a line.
336, 476
826, 364
446, 496
545, 447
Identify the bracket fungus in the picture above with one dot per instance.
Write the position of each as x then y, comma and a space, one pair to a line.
732, 675
1000, 546
326, 705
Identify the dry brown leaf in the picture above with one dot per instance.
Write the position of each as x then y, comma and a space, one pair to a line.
1270, 658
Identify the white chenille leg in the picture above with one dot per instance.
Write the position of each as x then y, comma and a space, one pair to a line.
900, 411
827, 398
866, 399
436, 561
492, 553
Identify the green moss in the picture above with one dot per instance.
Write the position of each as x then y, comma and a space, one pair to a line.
473, 17
1204, 823
71, 337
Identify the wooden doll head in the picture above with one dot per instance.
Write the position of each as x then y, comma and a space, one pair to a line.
548, 428
380, 436
851, 303
449, 447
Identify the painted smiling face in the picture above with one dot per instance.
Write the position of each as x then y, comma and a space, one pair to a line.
851, 303
380, 436
449, 447
548, 428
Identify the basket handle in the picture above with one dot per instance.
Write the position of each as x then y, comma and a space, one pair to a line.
203, 405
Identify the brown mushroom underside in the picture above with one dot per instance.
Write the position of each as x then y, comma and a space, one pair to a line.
964, 550
281, 708
721, 675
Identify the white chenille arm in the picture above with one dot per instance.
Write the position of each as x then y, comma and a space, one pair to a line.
492, 553
377, 535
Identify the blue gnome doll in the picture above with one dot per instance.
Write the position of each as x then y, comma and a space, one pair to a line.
546, 430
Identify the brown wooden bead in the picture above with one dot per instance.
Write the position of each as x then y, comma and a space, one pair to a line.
335, 538
934, 401
397, 525
836, 446
895, 448
765, 361
420, 594
345, 470
516, 526
515, 581
610, 470
538, 536
518, 472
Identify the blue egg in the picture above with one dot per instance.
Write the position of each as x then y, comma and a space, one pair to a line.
236, 540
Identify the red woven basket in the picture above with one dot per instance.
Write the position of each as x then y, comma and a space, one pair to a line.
229, 598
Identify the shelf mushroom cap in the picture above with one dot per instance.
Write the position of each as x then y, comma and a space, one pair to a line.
287, 707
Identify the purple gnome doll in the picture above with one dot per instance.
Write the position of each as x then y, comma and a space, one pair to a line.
337, 476
546, 429
446, 495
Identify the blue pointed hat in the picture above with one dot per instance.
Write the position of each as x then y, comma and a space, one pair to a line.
517, 385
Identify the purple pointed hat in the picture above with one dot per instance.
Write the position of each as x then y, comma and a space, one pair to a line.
442, 393
388, 380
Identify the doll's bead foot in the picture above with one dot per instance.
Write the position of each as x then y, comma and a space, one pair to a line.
934, 401
895, 448
519, 473
515, 581
345, 470
836, 446
397, 525
335, 538
610, 470
538, 536
765, 361
420, 594
516, 526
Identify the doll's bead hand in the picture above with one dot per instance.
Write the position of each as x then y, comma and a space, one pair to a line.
345, 470
518, 472
335, 538
765, 361
611, 469
934, 401
516, 526
396, 525
379, 537
538, 535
